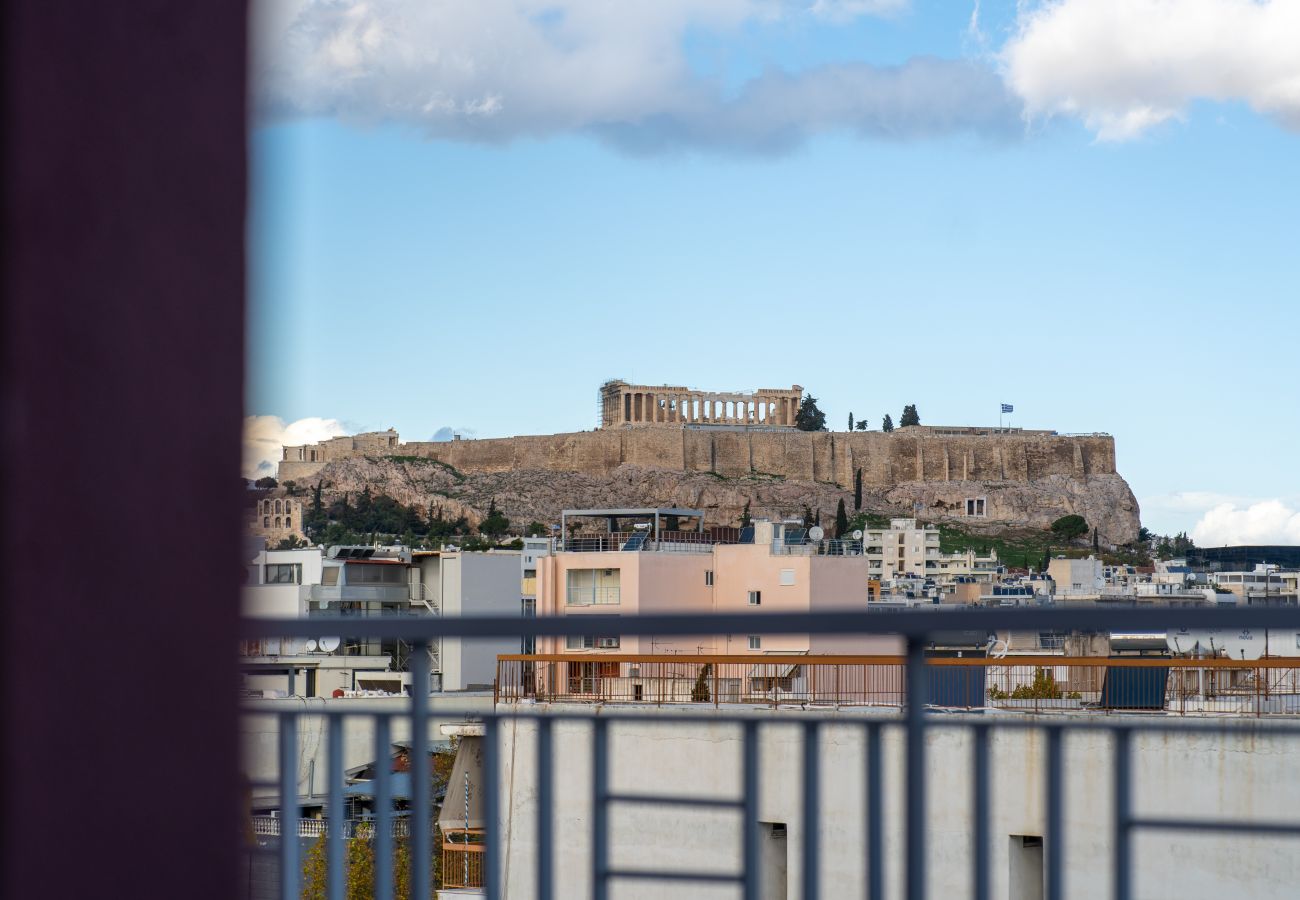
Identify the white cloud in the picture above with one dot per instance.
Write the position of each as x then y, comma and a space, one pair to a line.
1123, 66
1265, 522
500, 69
265, 436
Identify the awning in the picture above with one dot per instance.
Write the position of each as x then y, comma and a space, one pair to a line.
469, 762
399, 787
774, 670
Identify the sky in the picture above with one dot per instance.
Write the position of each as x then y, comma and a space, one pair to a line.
467, 216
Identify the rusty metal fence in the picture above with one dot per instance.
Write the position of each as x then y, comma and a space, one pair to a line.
1029, 683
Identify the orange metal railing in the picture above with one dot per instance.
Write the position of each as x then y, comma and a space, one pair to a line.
462, 860
1031, 683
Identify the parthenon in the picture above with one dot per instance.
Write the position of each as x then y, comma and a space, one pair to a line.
644, 404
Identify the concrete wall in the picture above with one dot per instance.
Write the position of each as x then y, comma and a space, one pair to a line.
833, 457
1215, 776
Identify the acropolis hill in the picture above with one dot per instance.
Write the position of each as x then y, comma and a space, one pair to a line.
667, 445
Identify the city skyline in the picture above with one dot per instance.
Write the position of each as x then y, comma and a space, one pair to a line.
900, 203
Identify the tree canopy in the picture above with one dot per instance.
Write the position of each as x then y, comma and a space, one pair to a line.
1070, 527
809, 417
494, 522
887, 424
910, 416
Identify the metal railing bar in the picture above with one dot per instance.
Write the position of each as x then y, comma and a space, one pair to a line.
1123, 799
599, 812
491, 817
336, 860
1164, 824
917, 694
982, 796
906, 623
672, 800
421, 774
875, 879
545, 818
749, 823
669, 875
1054, 839
811, 809
290, 873
383, 837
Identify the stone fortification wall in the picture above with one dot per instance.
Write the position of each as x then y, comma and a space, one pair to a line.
827, 457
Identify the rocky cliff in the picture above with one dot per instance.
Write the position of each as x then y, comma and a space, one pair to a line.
538, 494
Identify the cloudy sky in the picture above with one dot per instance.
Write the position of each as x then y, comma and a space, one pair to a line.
468, 215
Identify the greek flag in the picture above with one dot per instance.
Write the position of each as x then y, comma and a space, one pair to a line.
1007, 407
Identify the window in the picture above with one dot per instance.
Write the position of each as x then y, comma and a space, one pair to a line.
590, 642
593, 587
708, 578
755, 642
755, 598
975, 506
376, 574
283, 573
288, 523
329, 575
787, 576
266, 521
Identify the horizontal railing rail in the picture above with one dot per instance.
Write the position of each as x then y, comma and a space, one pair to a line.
1041, 683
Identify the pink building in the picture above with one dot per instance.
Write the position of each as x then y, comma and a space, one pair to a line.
650, 569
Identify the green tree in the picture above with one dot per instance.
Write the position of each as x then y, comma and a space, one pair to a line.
535, 529
850, 421
700, 693
887, 424
745, 520
359, 867
1144, 534
857, 490
266, 483
809, 417
862, 425
495, 522
910, 416
1070, 527
841, 520
1096, 540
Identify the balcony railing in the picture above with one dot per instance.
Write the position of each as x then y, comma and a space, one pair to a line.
1036, 683
608, 595
538, 758
644, 541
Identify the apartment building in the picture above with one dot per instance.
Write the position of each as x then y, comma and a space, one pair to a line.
647, 571
903, 549
376, 581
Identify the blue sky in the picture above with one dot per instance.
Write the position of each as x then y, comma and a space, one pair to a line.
1126, 266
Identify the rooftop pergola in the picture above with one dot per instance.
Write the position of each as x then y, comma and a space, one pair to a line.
652, 516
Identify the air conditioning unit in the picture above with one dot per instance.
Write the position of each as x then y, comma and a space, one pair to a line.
607, 643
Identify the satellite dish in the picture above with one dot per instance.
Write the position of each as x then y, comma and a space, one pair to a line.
815, 533
329, 644
997, 648
1181, 640
1244, 644
857, 534
311, 645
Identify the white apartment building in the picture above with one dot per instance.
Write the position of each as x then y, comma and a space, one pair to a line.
903, 549
272, 579
375, 581
1077, 578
